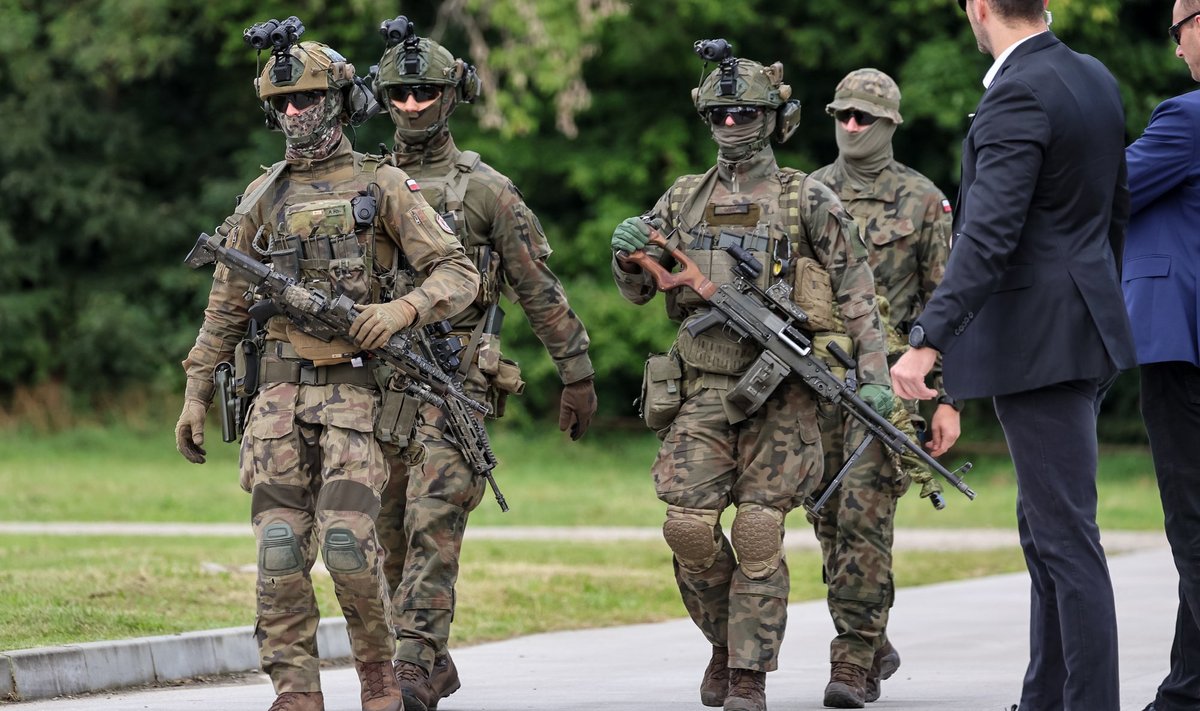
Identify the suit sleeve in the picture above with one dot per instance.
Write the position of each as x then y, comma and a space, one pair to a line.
1010, 136
1164, 156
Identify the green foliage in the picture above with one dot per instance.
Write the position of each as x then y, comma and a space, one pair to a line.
130, 126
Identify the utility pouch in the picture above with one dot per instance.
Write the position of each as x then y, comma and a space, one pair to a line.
820, 346
396, 416
760, 380
714, 351
245, 368
507, 381
813, 292
662, 390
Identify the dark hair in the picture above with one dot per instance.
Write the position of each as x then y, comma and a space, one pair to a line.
1023, 10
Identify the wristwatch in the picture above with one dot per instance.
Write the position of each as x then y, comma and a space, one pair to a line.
916, 337
947, 400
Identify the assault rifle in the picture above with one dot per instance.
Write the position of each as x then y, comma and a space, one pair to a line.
330, 317
771, 320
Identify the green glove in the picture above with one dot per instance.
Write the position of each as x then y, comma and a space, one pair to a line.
631, 235
879, 397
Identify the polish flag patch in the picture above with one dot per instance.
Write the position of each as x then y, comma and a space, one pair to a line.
413, 187
945, 205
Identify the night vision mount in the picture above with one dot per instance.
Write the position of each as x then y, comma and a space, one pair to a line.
279, 37
403, 31
719, 50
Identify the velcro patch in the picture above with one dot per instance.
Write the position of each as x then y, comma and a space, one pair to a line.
945, 205
441, 221
412, 185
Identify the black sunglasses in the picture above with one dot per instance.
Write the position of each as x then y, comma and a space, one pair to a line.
300, 99
740, 114
420, 92
862, 117
1176, 29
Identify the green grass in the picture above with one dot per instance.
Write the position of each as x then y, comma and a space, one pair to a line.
67, 590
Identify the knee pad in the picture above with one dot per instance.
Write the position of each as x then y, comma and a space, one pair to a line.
758, 540
279, 551
691, 535
342, 552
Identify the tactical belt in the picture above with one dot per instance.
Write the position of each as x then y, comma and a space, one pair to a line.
695, 380
280, 364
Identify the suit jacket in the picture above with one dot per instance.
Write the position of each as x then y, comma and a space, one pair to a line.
1163, 250
1031, 295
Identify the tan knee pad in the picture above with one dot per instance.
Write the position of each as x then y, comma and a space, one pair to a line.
758, 540
691, 535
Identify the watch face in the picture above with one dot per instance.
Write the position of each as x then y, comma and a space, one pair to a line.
916, 337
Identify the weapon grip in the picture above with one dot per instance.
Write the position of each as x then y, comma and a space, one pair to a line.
689, 274
705, 322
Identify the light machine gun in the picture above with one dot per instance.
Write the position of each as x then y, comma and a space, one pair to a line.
771, 320
327, 318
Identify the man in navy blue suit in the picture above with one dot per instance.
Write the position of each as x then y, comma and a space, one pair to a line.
1030, 314
1159, 277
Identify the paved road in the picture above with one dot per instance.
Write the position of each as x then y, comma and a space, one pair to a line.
964, 648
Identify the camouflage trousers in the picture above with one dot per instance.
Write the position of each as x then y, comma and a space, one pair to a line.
317, 474
421, 527
735, 588
855, 530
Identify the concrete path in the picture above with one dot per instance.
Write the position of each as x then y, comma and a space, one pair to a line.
964, 648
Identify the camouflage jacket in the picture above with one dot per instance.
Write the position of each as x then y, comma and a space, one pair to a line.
819, 228
497, 221
404, 222
905, 220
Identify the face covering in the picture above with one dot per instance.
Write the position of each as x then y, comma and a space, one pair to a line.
865, 154
313, 133
425, 125
737, 143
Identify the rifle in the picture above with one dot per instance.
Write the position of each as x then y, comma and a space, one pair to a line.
330, 317
770, 319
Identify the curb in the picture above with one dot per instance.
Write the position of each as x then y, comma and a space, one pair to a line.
46, 672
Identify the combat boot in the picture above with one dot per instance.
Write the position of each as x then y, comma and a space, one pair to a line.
715, 684
444, 679
415, 687
747, 690
886, 662
299, 701
380, 692
847, 686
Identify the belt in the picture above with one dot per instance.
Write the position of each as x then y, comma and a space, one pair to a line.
280, 364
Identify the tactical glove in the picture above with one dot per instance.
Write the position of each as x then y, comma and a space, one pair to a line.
576, 407
376, 323
189, 431
631, 235
879, 397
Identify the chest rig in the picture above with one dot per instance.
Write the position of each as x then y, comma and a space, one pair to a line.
765, 222
326, 239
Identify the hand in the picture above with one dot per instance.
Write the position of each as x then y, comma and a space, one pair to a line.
576, 406
631, 235
944, 430
879, 397
189, 431
376, 323
908, 374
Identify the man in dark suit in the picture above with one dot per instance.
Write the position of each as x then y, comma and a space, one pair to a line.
1030, 313
1160, 292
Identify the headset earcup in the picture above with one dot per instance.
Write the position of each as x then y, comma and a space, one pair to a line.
269, 117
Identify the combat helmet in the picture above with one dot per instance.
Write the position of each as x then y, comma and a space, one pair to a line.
745, 82
870, 91
414, 61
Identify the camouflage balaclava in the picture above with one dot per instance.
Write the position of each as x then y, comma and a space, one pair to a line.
755, 85
315, 132
866, 153
429, 64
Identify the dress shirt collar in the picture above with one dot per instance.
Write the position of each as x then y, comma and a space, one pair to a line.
991, 74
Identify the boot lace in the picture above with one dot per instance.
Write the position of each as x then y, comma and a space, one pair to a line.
374, 680
288, 701
847, 673
410, 674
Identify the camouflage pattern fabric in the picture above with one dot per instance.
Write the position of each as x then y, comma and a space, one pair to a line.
906, 222
425, 511
773, 458
302, 441
317, 472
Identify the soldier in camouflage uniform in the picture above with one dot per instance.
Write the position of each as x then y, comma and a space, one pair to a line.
713, 455
425, 507
905, 220
309, 456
